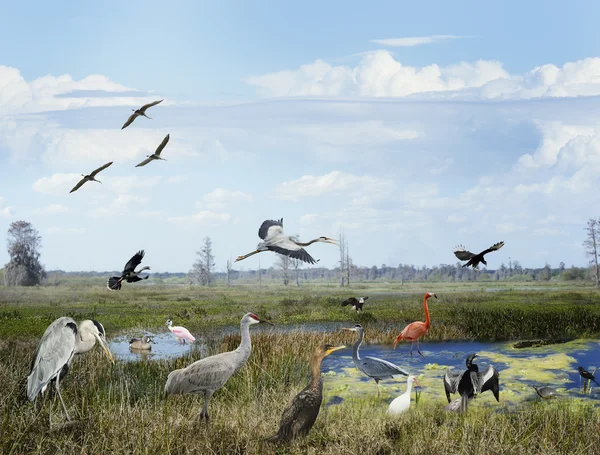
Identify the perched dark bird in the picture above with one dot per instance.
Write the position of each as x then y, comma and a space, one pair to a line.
155, 155
141, 111
471, 382
587, 375
357, 304
546, 392
90, 177
474, 259
301, 414
129, 273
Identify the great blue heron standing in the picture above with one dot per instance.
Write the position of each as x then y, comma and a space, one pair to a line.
61, 340
471, 382
155, 155
141, 344
373, 367
141, 111
90, 177
129, 273
300, 416
271, 232
211, 373
357, 304
474, 259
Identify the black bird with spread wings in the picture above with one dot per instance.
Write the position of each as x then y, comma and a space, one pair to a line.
271, 232
141, 111
90, 177
156, 155
357, 304
471, 382
129, 273
474, 259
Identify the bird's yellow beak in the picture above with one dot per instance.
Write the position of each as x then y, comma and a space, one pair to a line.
104, 345
332, 241
337, 348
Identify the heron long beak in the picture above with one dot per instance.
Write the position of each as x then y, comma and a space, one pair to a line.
262, 321
353, 329
332, 241
337, 348
104, 345
417, 383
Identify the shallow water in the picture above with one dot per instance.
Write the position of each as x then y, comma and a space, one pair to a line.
165, 347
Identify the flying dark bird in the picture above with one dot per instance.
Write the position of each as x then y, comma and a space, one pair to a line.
155, 155
129, 273
471, 382
474, 259
271, 232
373, 367
587, 375
61, 340
141, 344
300, 416
90, 177
141, 111
357, 304
546, 392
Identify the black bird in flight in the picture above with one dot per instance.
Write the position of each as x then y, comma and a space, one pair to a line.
141, 111
471, 382
90, 177
587, 375
474, 259
357, 304
129, 274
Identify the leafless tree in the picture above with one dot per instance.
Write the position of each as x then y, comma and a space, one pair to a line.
284, 268
591, 245
229, 269
202, 269
343, 261
24, 268
296, 263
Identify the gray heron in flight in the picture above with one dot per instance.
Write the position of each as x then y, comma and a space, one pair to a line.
90, 177
61, 340
471, 382
474, 259
271, 232
155, 155
373, 367
207, 375
141, 111
129, 273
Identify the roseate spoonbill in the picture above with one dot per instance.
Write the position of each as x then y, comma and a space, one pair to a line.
141, 111
546, 392
300, 416
357, 304
271, 232
155, 155
373, 367
471, 382
402, 403
209, 374
61, 340
415, 330
141, 344
181, 333
474, 259
129, 274
90, 177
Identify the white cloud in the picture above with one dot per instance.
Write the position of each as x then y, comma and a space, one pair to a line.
6, 211
151, 214
52, 209
221, 198
413, 40
202, 218
66, 230
57, 184
123, 204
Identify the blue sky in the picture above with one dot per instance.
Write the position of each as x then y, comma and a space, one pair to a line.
412, 127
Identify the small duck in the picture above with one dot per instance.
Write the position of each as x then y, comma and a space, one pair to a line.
141, 344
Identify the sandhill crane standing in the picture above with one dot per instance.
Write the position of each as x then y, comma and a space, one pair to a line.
155, 155
271, 232
211, 373
357, 304
129, 273
415, 330
471, 382
141, 111
61, 340
90, 177
474, 259
181, 333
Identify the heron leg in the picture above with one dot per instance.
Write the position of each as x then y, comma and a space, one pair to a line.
240, 258
61, 399
204, 411
378, 389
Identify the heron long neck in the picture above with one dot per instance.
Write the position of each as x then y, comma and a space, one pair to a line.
307, 243
427, 318
84, 342
245, 347
315, 371
361, 335
408, 387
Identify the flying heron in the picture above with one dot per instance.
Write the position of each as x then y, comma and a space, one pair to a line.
129, 273
271, 232
141, 111
373, 367
141, 344
300, 416
402, 403
209, 374
471, 382
90, 177
474, 259
181, 333
357, 304
61, 340
156, 154
415, 330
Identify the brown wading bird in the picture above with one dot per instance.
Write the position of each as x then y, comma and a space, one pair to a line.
474, 259
155, 155
141, 111
301, 414
90, 177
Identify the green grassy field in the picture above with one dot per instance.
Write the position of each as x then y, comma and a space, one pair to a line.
120, 408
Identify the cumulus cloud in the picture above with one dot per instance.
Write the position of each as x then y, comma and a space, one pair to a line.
57, 184
52, 209
202, 218
221, 198
6, 211
413, 40
121, 205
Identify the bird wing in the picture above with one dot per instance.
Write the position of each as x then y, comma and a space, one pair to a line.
379, 368
350, 301
494, 247
489, 380
270, 228
300, 415
129, 120
53, 353
298, 253
451, 380
162, 145
135, 260
461, 253
101, 168
146, 106
146, 161
79, 184
210, 373
134, 279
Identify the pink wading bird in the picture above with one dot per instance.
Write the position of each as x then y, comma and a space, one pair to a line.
181, 333
415, 330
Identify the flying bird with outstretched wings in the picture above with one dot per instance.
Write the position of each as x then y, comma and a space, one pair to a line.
474, 259
90, 177
129, 273
141, 111
156, 155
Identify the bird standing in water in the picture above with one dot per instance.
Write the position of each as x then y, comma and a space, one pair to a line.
415, 330
181, 333
141, 344
300, 416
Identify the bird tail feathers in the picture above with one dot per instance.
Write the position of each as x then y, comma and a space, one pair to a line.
114, 283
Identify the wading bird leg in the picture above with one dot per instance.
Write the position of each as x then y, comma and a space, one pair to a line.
61, 400
418, 350
204, 412
411, 347
240, 258
378, 390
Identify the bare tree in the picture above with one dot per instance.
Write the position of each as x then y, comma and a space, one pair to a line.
349, 265
24, 268
343, 262
284, 268
591, 247
296, 263
202, 269
229, 269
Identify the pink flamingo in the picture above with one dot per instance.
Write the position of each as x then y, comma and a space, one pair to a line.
181, 333
415, 330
